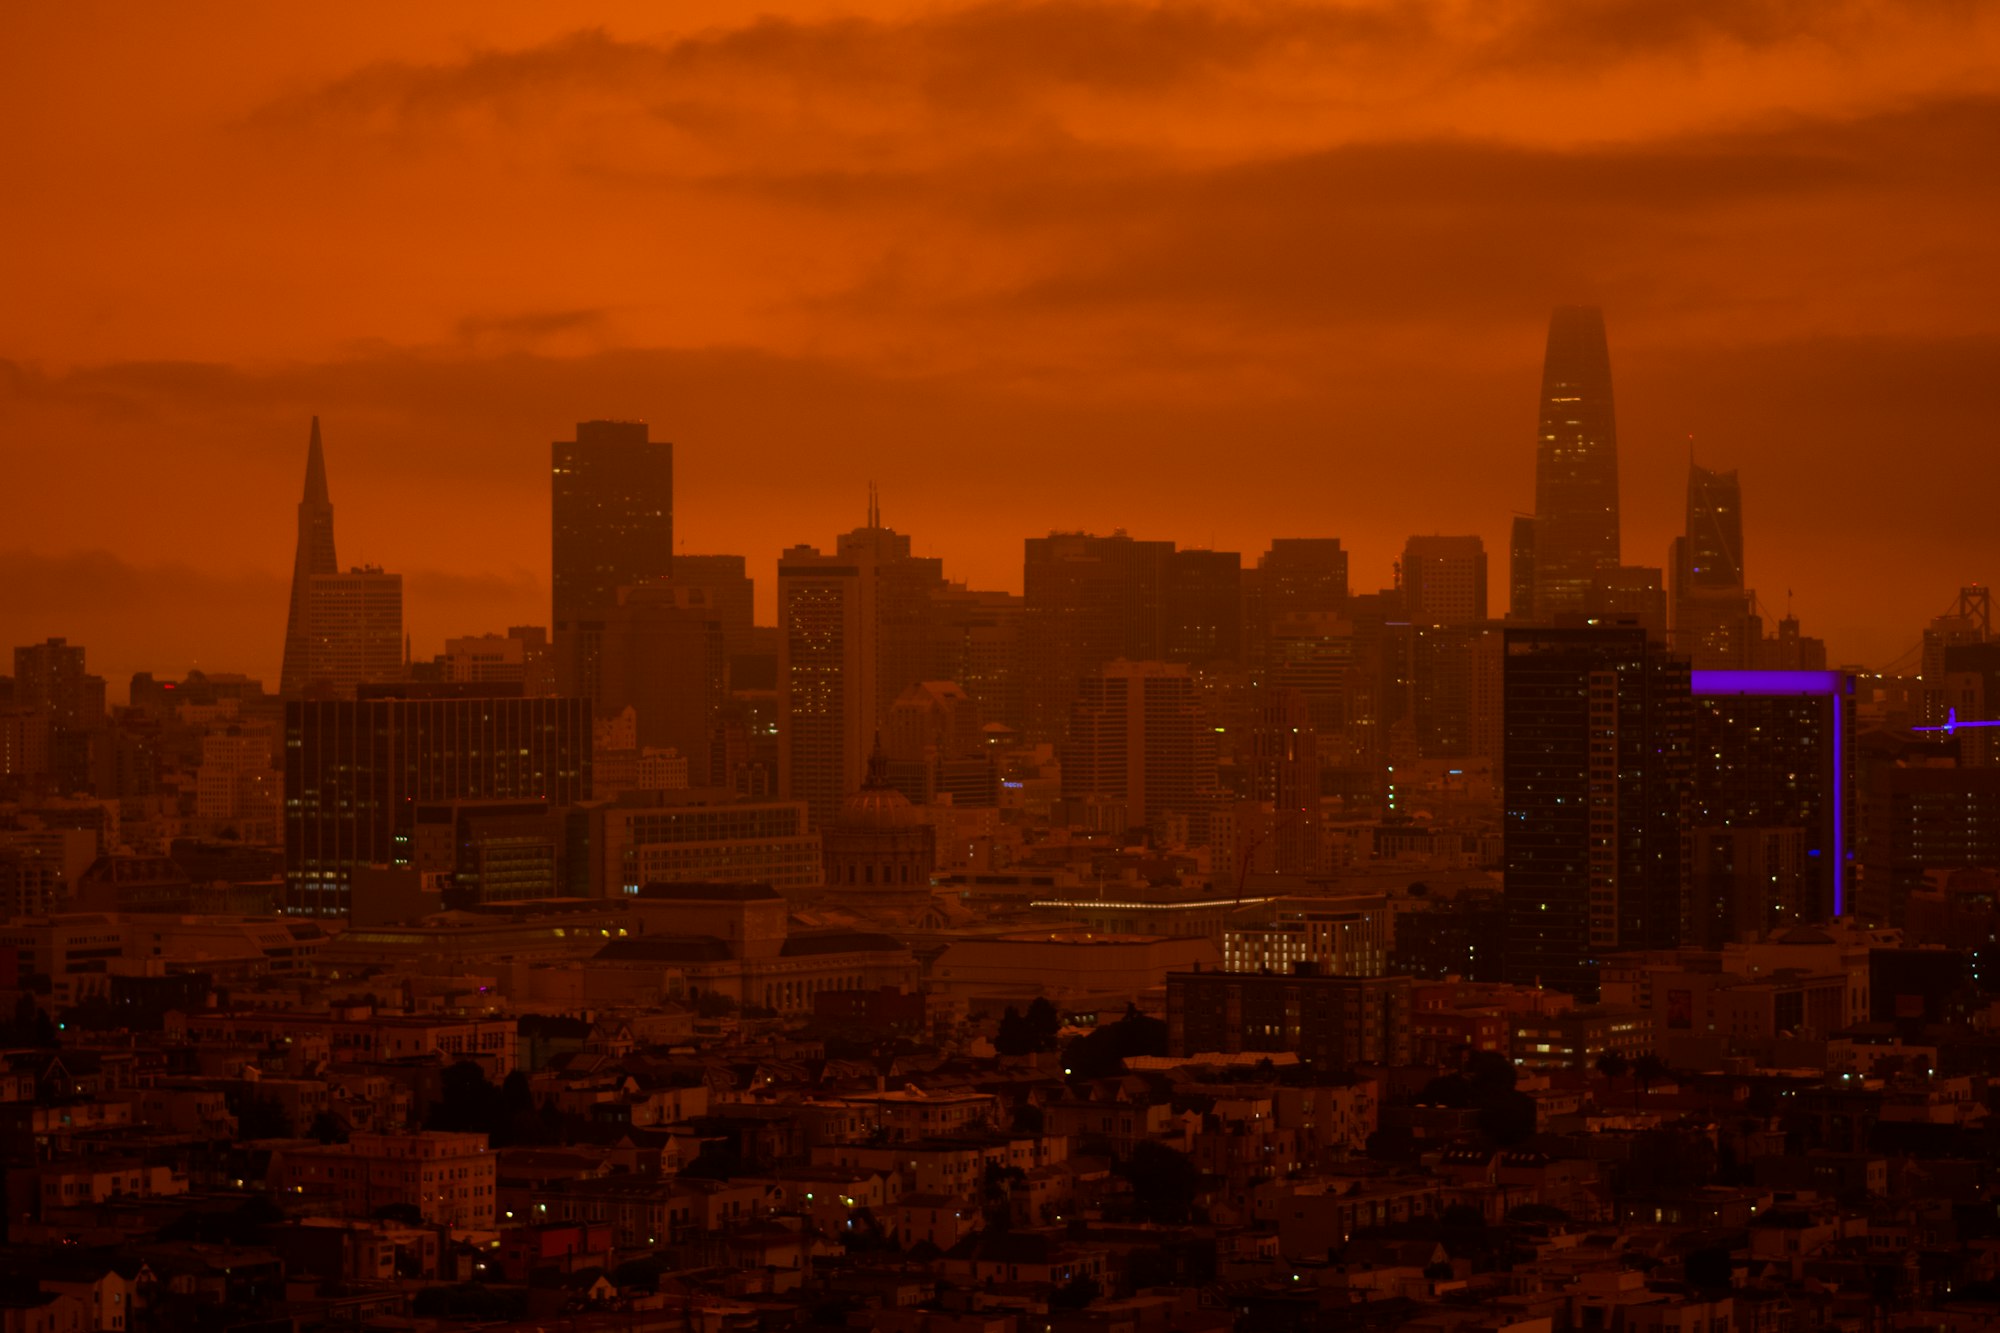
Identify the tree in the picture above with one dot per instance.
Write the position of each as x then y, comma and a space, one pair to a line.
1613, 1065
262, 1118
1164, 1183
1649, 1069
327, 1129
1076, 1293
1103, 1051
1506, 1118
1043, 1023
467, 1102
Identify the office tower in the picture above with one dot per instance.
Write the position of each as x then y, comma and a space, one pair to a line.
1284, 770
1713, 623
356, 770
1297, 576
976, 641
905, 587
1204, 607
1629, 594
1745, 883
1576, 464
732, 595
1771, 753
611, 499
1139, 735
1714, 529
1444, 580
1380, 680
1086, 601
1454, 696
1599, 724
355, 624
313, 557
1313, 653
663, 653
521, 657
1972, 694
1969, 621
826, 677
1329, 1022
1521, 569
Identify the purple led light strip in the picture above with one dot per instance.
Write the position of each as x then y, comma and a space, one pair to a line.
1833, 686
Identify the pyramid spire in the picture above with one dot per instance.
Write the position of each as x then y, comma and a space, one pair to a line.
316, 492
314, 555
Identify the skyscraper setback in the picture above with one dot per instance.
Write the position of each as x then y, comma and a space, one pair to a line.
1576, 464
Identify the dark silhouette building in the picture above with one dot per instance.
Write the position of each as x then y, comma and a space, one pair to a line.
1771, 754
1444, 580
1298, 577
1712, 617
612, 526
1599, 722
356, 771
1086, 600
1204, 607
1576, 464
314, 557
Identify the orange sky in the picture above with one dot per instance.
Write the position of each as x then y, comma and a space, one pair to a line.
1211, 273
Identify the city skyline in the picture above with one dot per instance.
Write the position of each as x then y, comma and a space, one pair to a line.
1298, 285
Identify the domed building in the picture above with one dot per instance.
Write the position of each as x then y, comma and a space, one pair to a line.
880, 841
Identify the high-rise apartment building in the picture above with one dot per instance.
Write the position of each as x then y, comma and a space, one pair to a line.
1444, 580
1576, 464
1139, 735
50, 679
1772, 752
356, 769
612, 526
1599, 725
355, 630
826, 677
313, 557
1284, 770
1086, 600
58, 709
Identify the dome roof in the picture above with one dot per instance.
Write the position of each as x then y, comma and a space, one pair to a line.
878, 805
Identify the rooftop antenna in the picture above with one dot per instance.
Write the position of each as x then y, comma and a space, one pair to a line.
874, 506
